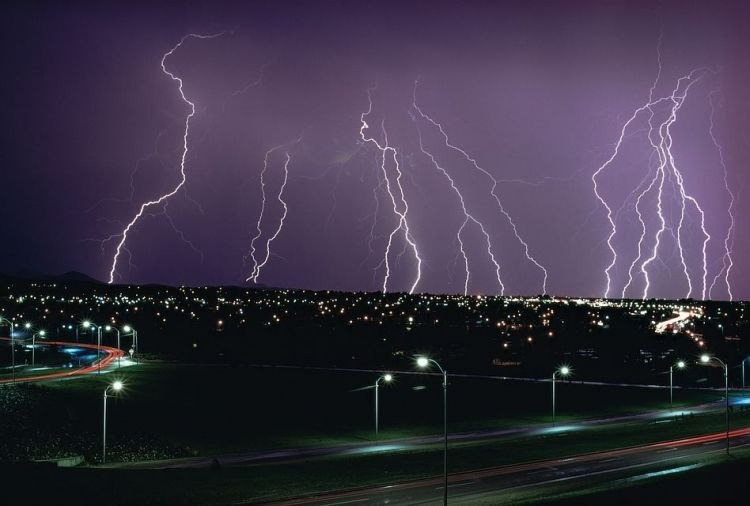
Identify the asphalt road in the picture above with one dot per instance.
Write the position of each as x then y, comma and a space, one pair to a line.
493, 485
110, 356
402, 444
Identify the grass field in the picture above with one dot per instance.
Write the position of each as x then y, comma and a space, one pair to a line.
171, 410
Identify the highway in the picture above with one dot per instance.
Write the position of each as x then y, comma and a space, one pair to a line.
110, 355
493, 485
403, 444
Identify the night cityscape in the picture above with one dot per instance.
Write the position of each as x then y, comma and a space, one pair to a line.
343, 252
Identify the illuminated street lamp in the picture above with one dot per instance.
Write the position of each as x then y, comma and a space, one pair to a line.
12, 346
564, 371
134, 333
387, 378
680, 365
705, 359
423, 362
109, 328
41, 333
116, 386
87, 325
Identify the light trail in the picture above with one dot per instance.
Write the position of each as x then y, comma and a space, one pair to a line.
183, 176
399, 210
493, 190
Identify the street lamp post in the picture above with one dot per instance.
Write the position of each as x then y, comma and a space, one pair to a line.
705, 359
116, 386
424, 362
41, 333
743, 372
387, 378
87, 324
134, 333
680, 365
564, 371
109, 328
12, 346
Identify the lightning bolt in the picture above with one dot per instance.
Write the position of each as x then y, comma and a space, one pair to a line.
183, 176
493, 192
666, 172
257, 266
726, 260
401, 210
468, 217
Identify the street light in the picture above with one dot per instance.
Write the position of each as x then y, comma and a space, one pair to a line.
41, 333
564, 371
109, 328
387, 378
12, 346
705, 359
87, 324
116, 386
680, 365
743, 371
129, 329
423, 362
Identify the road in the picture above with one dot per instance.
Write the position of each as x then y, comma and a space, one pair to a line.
110, 356
402, 444
495, 484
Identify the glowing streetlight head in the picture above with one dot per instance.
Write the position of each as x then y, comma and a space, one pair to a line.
108, 328
42, 333
388, 378
127, 328
117, 385
423, 361
27, 325
681, 364
86, 324
564, 370
705, 358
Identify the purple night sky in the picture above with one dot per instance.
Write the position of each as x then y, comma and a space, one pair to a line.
532, 94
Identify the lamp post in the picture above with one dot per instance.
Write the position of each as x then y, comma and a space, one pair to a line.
387, 378
705, 359
41, 333
12, 346
87, 324
134, 333
423, 362
680, 365
564, 371
743, 371
109, 328
116, 386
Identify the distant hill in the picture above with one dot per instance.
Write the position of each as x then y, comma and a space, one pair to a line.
74, 276
70, 276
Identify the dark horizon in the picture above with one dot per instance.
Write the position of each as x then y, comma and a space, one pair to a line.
534, 94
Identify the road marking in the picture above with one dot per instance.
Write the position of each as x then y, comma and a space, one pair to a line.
347, 502
669, 450
610, 460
